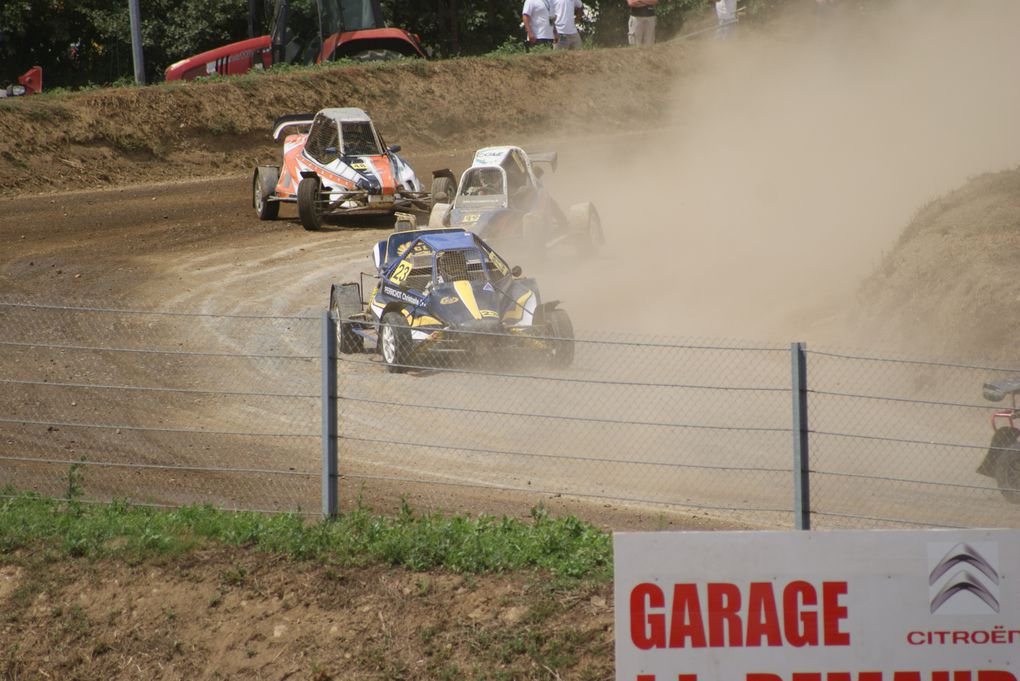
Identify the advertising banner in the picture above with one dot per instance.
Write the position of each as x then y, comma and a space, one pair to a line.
925, 605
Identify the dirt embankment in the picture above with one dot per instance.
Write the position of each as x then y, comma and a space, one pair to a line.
130, 135
949, 285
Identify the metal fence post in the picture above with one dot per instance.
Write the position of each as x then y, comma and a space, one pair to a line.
330, 500
801, 476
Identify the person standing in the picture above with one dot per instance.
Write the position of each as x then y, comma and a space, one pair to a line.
641, 25
565, 14
726, 13
537, 23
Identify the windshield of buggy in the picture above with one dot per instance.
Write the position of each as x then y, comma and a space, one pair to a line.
468, 264
359, 139
483, 187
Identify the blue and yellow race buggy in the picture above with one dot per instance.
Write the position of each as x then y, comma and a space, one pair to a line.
446, 290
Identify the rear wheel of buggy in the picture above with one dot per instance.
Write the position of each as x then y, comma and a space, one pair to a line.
348, 342
1007, 474
309, 202
443, 189
534, 235
263, 185
561, 352
585, 228
395, 341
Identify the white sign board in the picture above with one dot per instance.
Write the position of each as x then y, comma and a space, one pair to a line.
927, 605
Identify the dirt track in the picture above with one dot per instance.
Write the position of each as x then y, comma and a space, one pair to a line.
821, 202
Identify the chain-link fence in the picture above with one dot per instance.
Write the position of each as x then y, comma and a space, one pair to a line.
900, 442
160, 408
173, 408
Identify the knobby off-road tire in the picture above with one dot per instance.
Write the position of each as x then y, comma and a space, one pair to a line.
561, 352
585, 228
343, 305
263, 185
443, 190
1003, 439
1007, 474
377, 55
309, 201
535, 236
395, 342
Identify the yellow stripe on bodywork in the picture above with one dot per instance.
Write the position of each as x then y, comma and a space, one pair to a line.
467, 296
426, 321
516, 312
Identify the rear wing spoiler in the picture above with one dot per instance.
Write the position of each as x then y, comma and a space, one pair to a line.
996, 391
291, 121
550, 157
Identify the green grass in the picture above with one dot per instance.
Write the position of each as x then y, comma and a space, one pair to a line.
567, 547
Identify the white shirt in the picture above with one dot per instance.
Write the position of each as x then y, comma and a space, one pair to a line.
726, 10
563, 11
538, 16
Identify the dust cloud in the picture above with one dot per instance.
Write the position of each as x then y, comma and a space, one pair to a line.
789, 164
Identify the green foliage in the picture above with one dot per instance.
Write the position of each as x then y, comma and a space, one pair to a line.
88, 42
566, 547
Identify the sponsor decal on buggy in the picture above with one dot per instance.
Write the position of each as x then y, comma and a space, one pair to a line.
401, 295
359, 165
472, 217
489, 156
497, 262
467, 295
490, 313
449, 300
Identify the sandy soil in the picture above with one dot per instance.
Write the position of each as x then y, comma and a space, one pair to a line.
753, 223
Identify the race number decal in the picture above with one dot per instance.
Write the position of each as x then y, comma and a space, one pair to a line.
400, 273
472, 217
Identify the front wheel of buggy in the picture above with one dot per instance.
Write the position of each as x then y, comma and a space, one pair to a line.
1007, 474
586, 228
395, 341
561, 352
263, 185
310, 203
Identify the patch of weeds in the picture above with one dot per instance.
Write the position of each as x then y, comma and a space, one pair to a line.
418, 67
235, 577
13, 667
427, 634
224, 126
74, 622
14, 160
449, 672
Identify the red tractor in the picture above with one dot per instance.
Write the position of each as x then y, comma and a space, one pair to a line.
343, 29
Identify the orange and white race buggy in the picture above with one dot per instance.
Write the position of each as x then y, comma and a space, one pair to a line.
336, 163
